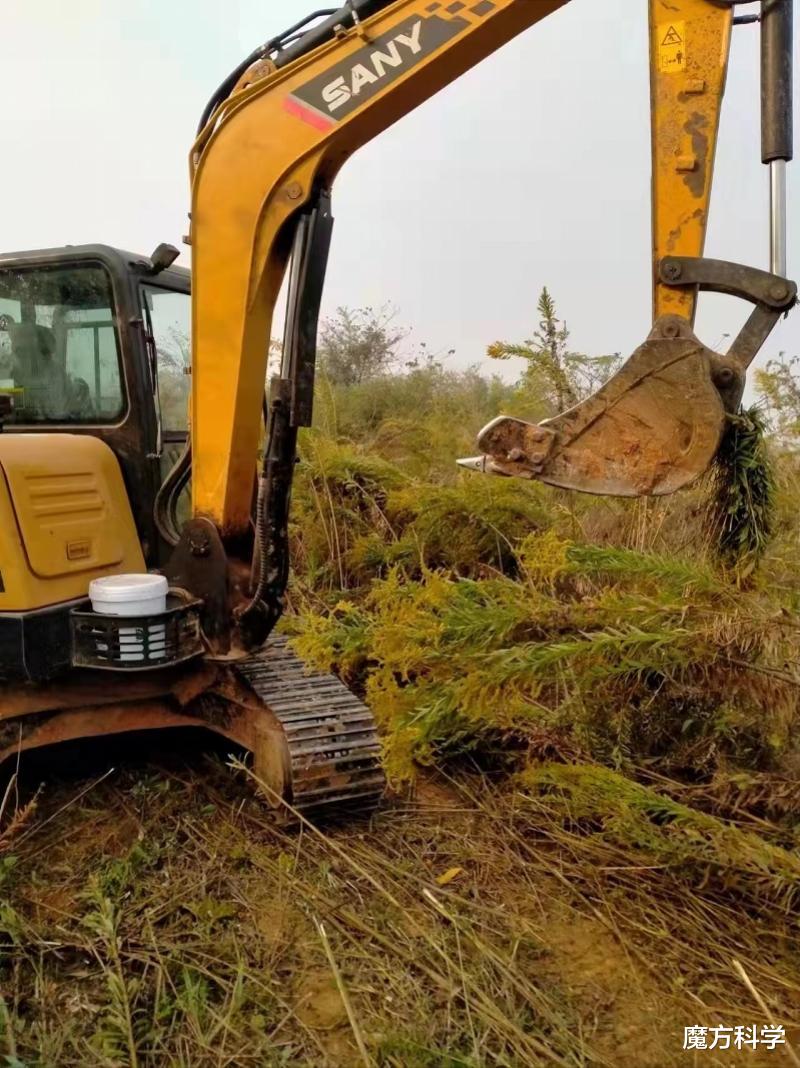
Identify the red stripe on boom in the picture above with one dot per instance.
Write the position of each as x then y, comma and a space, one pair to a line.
300, 111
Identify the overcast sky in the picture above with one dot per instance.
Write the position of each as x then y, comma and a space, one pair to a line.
533, 169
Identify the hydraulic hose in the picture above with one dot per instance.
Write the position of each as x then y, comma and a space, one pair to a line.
288, 46
226, 88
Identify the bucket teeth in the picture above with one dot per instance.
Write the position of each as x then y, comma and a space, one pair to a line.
475, 463
653, 428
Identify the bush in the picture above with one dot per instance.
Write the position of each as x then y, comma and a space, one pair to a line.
356, 515
504, 619
634, 656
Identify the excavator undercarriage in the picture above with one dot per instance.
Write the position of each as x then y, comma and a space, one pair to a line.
314, 744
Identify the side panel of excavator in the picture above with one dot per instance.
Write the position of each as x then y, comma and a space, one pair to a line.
64, 519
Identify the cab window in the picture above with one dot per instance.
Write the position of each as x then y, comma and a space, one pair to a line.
167, 317
59, 346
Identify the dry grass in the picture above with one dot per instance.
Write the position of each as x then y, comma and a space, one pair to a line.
574, 915
163, 920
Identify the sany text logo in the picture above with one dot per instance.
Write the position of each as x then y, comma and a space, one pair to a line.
333, 94
342, 89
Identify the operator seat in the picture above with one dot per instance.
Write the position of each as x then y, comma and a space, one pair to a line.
37, 371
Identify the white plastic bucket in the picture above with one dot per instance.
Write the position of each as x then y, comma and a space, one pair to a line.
133, 596
129, 595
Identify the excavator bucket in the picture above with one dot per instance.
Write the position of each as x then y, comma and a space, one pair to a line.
653, 428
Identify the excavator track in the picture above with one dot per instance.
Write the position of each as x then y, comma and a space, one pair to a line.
332, 742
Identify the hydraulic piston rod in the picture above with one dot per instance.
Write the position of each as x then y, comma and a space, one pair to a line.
778, 222
777, 142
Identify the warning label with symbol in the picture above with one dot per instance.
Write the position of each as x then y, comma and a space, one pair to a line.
671, 47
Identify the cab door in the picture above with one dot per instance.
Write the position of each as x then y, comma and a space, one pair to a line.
166, 316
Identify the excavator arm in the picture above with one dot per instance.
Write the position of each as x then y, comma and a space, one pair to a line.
690, 44
271, 142
657, 424
261, 164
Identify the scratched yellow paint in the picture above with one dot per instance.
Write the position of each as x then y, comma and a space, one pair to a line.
687, 104
672, 47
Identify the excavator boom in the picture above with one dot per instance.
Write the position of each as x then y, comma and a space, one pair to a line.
260, 164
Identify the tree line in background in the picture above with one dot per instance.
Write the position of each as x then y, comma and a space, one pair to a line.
361, 346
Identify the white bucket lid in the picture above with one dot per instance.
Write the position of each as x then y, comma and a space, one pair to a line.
119, 589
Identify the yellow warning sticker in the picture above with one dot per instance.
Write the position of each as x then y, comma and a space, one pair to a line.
671, 47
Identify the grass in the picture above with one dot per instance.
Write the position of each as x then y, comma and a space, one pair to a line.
741, 513
225, 941
357, 516
589, 712
626, 657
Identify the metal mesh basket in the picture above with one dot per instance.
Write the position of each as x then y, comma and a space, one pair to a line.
136, 643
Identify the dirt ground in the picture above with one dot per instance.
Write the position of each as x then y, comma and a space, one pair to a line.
152, 914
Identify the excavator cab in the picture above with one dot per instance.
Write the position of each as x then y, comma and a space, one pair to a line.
95, 341
94, 385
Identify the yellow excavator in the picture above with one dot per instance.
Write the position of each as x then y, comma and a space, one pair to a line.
97, 458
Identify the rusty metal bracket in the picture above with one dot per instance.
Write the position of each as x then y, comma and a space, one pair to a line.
734, 279
772, 295
199, 564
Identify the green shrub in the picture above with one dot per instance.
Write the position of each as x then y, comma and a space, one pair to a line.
634, 656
